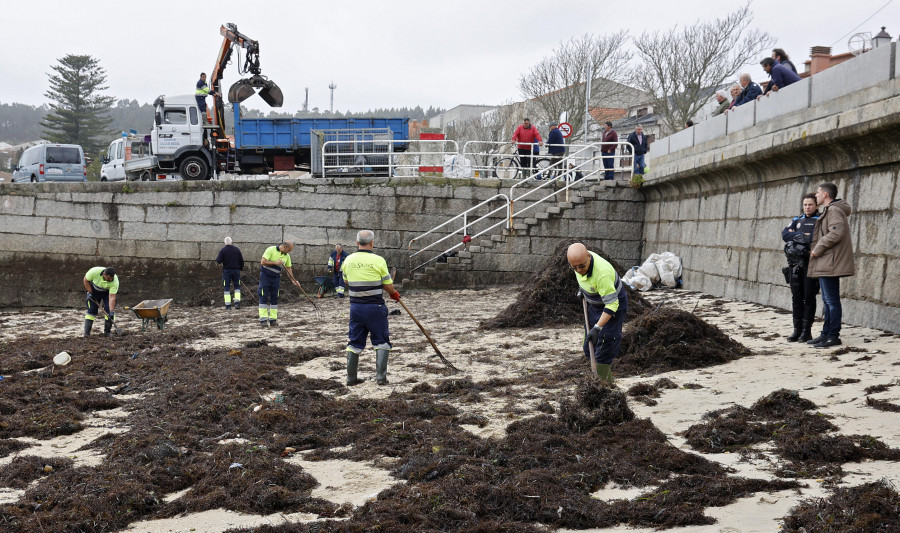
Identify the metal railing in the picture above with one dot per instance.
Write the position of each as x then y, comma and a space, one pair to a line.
462, 230
379, 154
588, 161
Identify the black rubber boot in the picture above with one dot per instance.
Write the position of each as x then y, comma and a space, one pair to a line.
795, 336
88, 324
381, 361
107, 327
273, 323
352, 365
237, 304
806, 334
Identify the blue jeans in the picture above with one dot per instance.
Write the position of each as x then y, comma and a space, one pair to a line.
831, 306
608, 164
639, 164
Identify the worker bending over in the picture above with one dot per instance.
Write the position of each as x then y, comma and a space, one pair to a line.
600, 286
366, 276
275, 260
102, 285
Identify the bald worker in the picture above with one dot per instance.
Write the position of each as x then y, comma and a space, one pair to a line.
600, 286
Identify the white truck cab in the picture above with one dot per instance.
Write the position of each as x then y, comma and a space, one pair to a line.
178, 139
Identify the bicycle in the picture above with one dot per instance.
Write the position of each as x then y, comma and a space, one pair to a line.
510, 166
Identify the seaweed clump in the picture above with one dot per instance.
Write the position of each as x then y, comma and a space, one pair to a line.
668, 339
801, 437
550, 296
868, 508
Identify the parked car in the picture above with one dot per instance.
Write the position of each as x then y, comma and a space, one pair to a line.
51, 162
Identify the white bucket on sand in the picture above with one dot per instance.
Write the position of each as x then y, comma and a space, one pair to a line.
62, 358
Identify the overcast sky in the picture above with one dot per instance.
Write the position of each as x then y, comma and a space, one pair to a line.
379, 54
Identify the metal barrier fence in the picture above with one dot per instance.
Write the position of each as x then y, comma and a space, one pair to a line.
379, 155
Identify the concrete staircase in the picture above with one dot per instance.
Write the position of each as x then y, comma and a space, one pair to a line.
521, 226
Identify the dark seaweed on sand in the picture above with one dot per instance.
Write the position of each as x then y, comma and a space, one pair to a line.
869, 508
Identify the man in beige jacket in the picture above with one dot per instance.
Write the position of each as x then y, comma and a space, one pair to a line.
831, 259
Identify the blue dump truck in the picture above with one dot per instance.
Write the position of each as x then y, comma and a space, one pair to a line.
354, 144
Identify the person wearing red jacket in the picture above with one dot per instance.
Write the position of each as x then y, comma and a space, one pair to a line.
525, 137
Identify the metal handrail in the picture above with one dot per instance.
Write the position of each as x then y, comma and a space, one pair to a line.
390, 165
567, 173
463, 230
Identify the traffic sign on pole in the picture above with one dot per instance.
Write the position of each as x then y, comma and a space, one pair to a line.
566, 129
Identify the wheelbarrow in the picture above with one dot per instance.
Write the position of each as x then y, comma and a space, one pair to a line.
152, 310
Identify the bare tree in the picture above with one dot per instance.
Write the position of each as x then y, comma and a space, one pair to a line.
681, 67
557, 85
496, 125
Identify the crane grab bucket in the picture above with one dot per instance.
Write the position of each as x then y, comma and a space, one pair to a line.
243, 89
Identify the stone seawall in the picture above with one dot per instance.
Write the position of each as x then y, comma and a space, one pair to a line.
163, 237
722, 204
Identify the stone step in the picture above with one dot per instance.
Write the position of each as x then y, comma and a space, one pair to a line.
459, 267
565, 205
487, 244
520, 226
407, 284
453, 260
497, 238
474, 249
430, 270
420, 276
464, 254
542, 216
531, 221
440, 266
554, 210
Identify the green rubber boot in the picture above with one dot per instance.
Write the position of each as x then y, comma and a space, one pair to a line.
381, 361
352, 365
605, 373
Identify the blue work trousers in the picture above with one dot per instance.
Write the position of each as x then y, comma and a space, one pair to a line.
609, 162
269, 285
831, 306
231, 277
366, 320
607, 346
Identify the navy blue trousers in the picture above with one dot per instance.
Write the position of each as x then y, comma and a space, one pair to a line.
368, 320
607, 346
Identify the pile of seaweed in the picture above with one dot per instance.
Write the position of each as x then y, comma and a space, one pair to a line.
670, 339
803, 438
549, 296
869, 508
195, 403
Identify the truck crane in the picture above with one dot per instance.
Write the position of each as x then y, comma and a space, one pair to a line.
243, 88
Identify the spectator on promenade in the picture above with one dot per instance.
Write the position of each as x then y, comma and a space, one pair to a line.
556, 145
830, 260
797, 237
735, 94
688, 124
608, 150
750, 90
525, 138
639, 141
778, 54
724, 102
780, 76
574, 173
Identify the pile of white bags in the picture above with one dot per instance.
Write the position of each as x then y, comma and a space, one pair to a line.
457, 166
658, 270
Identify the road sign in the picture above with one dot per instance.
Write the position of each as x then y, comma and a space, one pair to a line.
566, 129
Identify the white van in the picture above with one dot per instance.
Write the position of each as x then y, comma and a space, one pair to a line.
51, 162
121, 150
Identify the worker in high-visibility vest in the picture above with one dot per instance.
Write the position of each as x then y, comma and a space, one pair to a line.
366, 276
601, 287
335, 260
201, 93
275, 260
102, 285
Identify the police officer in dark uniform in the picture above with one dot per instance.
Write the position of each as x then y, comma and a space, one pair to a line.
797, 237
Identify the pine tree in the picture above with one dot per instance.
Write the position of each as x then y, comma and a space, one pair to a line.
79, 113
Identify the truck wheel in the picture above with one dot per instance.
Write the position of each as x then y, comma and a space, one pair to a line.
193, 168
102, 178
145, 175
